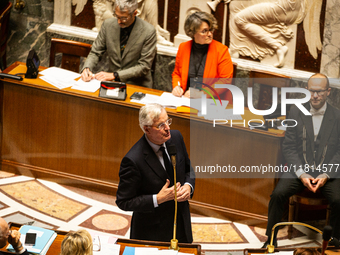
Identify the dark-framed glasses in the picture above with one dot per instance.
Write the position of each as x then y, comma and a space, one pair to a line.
318, 92
162, 126
206, 31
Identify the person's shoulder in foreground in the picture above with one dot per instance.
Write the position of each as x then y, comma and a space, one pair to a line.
12, 236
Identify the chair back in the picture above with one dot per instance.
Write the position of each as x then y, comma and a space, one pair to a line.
266, 81
72, 51
4, 29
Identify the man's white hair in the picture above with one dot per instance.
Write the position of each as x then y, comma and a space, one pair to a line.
126, 5
148, 114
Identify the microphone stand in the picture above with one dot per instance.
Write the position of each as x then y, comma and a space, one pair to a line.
174, 241
271, 247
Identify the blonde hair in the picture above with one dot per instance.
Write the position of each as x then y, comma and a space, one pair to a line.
77, 243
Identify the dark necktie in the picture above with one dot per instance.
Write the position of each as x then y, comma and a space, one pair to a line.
123, 40
168, 165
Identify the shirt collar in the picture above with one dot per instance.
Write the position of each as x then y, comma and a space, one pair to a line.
155, 147
320, 111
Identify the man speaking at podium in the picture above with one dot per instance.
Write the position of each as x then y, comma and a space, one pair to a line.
146, 184
312, 150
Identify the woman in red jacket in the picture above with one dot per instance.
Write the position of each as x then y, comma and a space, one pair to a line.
201, 58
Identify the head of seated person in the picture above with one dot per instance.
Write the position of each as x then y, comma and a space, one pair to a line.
200, 26
77, 243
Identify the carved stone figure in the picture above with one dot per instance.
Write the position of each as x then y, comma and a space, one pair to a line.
259, 28
148, 11
79, 6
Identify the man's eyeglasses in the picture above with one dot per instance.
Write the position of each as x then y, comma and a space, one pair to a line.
318, 92
206, 31
162, 125
123, 19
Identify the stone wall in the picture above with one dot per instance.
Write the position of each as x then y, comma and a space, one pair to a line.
31, 28
28, 30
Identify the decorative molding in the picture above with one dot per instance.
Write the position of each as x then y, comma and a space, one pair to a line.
57, 176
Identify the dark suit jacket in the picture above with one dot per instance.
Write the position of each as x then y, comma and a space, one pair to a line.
134, 66
329, 135
142, 175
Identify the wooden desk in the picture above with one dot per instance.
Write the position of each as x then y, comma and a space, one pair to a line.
77, 138
329, 250
185, 248
56, 245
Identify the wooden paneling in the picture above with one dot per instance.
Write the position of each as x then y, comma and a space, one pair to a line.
77, 138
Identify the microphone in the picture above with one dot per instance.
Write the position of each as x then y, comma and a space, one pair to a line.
172, 152
326, 236
271, 247
11, 76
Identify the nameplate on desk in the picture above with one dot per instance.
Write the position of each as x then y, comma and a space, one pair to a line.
113, 90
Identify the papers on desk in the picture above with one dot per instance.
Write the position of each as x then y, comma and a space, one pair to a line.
148, 99
59, 77
150, 251
62, 79
166, 99
89, 86
112, 249
105, 244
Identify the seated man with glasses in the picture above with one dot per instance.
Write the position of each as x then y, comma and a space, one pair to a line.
130, 43
12, 237
146, 184
312, 152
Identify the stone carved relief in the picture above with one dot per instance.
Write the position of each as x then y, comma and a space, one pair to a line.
261, 27
79, 6
147, 10
102, 10
213, 4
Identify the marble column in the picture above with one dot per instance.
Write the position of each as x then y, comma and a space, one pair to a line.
62, 12
330, 58
186, 7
